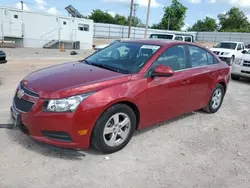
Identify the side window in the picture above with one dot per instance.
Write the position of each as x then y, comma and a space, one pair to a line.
239, 47
210, 59
174, 57
188, 39
198, 56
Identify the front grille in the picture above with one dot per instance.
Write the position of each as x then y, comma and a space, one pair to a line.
59, 136
246, 72
246, 63
28, 92
22, 105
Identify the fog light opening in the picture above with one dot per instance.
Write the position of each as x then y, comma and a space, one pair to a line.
24, 129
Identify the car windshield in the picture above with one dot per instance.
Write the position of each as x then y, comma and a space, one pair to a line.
226, 45
248, 52
123, 57
115, 41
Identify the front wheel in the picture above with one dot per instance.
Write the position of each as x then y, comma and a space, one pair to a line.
216, 99
114, 129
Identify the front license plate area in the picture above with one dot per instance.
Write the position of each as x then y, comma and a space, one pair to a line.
15, 117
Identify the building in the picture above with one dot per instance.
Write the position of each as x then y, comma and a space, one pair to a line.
37, 30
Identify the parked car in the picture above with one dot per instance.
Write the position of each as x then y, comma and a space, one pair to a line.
103, 99
2, 57
228, 51
241, 66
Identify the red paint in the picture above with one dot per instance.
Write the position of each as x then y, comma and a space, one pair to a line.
157, 98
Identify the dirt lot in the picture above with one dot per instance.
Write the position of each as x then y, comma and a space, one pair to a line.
195, 151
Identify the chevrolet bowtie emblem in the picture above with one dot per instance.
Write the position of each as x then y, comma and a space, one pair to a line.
20, 93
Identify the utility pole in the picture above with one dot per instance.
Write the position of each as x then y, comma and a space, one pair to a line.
147, 20
135, 9
22, 5
168, 21
130, 18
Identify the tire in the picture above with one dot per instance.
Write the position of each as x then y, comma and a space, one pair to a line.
104, 142
234, 77
211, 107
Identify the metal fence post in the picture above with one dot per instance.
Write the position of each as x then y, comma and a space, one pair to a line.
122, 31
215, 40
109, 31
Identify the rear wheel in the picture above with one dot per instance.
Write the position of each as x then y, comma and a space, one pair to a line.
234, 77
216, 99
114, 129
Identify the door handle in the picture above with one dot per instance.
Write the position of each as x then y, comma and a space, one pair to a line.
185, 82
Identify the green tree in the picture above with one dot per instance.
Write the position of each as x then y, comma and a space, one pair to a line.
207, 24
100, 16
120, 20
234, 21
174, 16
135, 21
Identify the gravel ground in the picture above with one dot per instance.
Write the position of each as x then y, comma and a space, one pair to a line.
197, 150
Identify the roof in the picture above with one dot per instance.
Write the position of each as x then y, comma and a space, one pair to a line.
232, 41
161, 42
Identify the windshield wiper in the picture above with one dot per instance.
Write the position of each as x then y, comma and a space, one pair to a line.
105, 67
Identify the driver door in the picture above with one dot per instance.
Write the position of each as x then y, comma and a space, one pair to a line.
168, 97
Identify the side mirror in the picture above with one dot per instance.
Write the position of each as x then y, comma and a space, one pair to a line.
244, 51
162, 71
93, 46
213, 46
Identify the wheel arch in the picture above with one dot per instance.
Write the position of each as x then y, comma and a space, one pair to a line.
224, 85
129, 103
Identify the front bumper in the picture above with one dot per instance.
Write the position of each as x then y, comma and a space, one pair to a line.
3, 59
240, 70
67, 130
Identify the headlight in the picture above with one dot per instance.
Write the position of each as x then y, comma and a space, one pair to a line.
65, 105
226, 53
238, 61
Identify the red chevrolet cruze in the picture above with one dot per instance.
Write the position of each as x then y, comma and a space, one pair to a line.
126, 86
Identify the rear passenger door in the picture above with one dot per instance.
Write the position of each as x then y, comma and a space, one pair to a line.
203, 68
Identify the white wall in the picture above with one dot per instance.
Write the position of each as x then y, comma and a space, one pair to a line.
39, 28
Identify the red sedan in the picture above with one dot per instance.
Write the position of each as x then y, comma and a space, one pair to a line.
125, 87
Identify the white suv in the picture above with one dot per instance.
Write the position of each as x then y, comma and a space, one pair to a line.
228, 51
241, 66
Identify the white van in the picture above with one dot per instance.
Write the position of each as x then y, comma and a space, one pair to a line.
170, 36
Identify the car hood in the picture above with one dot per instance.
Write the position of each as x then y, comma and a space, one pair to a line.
245, 57
71, 79
221, 50
2, 53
